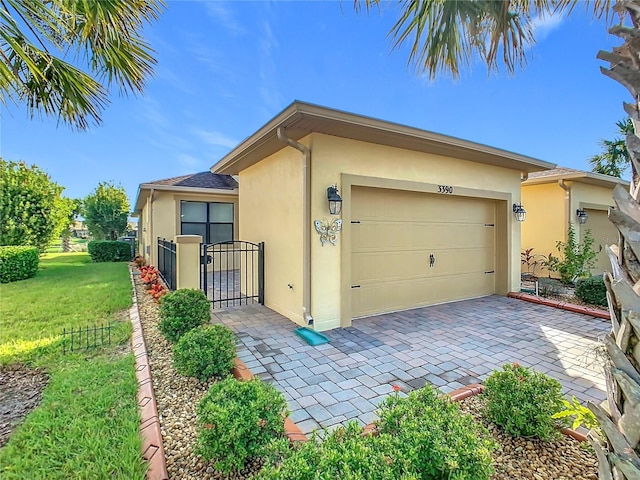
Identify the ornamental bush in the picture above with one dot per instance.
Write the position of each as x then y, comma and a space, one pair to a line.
592, 290
205, 352
436, 439
109, 251
183, 310
18, 263
238, 420
522, 401
344, 453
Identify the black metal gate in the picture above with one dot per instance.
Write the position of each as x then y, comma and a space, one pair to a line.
167, 262
232, 273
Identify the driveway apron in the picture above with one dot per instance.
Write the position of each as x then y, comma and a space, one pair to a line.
447, 346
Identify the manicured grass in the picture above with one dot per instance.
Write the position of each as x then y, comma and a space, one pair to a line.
87, 423
68, 291
85, 428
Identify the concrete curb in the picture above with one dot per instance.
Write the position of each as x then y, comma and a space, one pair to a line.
152, 448
592, 312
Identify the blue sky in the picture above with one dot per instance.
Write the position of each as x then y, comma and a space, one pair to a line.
225, 68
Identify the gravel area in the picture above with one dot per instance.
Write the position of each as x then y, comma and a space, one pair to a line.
532, 459
177, 398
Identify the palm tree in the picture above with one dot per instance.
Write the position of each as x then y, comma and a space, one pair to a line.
39, 40
614, 160
445, 35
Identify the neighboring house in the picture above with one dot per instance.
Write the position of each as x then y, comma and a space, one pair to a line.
552, 199
79, 229
426, 218
202, 204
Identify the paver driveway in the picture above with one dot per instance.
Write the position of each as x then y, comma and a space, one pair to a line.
446, 345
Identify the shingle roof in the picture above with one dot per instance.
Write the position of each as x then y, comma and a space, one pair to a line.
200, 180
554, 171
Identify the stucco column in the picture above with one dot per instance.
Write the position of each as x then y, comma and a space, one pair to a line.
188, 261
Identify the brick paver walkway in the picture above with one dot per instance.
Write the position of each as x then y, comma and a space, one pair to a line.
447, 346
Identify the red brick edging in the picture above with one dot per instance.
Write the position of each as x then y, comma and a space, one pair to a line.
152, 448
472, 390
571, 307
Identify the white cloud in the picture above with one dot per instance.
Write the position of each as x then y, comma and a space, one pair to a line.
223, 15
542, 26
216, 138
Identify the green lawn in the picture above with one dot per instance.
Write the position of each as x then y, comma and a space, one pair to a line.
87, 423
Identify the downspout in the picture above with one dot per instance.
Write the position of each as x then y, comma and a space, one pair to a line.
306, 224
152, 249
567, 199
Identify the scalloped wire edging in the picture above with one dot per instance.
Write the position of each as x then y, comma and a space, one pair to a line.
152, 446
472, 390
571, 307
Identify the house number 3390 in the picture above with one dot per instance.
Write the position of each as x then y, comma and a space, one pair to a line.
445, 189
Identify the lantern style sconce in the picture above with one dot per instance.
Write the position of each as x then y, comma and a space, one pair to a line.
519, 212
582, 216
335, 200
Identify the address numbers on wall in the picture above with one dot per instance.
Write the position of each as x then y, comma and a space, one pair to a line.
445, 189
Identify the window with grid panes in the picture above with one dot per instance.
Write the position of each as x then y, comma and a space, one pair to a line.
212, 220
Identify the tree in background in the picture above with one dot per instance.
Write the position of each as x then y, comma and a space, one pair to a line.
445, 35
614, 159
106, 211
32, 208
74, 209
37, 36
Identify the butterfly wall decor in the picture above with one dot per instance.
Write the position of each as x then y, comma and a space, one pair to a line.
328, 231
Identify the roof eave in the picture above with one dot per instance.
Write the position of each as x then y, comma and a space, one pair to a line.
240, 157
140, 198
590, 178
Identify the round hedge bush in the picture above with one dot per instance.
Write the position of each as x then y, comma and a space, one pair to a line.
181, 311
522, 401
239, 421
205, 352
592, 290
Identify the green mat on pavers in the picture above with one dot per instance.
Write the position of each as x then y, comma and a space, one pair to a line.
311, 336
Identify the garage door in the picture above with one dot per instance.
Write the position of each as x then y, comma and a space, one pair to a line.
604, 233
412, 249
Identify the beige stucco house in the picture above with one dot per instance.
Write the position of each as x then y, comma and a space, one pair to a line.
203, 204
554, 198
425, 219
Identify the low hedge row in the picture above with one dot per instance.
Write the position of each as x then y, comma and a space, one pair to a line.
109, 251
592, 290
18, 263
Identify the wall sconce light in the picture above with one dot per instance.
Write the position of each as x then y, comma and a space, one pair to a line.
335, 200
582, 216
519, 212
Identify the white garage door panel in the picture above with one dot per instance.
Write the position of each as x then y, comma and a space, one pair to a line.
397, 233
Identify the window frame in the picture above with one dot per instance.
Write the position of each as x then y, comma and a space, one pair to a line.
207, 224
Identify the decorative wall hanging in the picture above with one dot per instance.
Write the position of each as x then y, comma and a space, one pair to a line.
328, 231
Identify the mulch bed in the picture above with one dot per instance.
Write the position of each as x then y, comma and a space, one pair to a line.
533, 459
20, 392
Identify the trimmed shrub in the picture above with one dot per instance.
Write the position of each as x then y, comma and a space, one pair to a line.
238, 420
183, 310
592, 290
205, 352
431, 434
344, 453
109, 251
522, 401
18, 263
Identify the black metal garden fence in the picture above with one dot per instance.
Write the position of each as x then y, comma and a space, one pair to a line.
85, 338
167, 262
